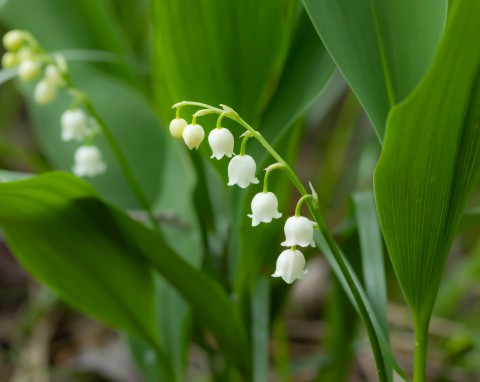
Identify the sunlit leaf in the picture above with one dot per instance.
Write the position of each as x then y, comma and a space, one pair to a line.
46, 222
234, 57
431, 161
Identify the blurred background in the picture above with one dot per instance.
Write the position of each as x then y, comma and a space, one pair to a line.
315, 333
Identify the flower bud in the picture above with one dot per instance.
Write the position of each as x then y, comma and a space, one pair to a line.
74, 125
9, 60
177, 126
28, 69
61, 62
13, 40
25, 54
88, 161
290, 266
264, 208
193, 135
298, 231
241, 171
45, 92
53, 75
221, 141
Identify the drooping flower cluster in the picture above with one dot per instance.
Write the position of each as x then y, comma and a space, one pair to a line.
242, 169
25, 54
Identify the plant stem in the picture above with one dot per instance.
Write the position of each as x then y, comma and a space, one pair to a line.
117, 151
124, 165
420, 351
298, 208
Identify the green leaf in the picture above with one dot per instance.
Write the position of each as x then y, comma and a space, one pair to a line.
55, 234
220, 52
371, 245
307, 72
73, 205
430, 162
382, 47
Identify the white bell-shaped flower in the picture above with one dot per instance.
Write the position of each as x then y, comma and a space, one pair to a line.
177, 126
88, 161
221, 141
241, 171
54, 75
290, 266
45, 92
298, 231
28, 69
264, 208
74, 125
13, 40
193, 135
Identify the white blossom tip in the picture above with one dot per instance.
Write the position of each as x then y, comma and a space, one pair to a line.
88, 162
74, 124
54, 75
298, 231
241, 171
177, 126
290, 266
45, 92
264, 208
193, 135
28, 69
14, 40
9, 60
221, 142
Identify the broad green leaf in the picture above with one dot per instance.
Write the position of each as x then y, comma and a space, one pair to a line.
306, 74
382, 47
334, 162
107, 227
430, 162
132, 122
371, 245
220, 51
90, 264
